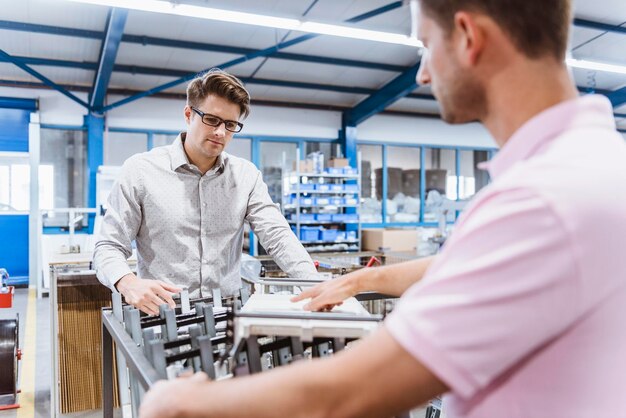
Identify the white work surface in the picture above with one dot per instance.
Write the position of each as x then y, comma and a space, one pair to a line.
307, 328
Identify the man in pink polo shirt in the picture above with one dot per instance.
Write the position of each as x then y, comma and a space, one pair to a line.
523, 313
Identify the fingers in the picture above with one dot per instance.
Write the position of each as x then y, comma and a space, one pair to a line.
307, 294
169, 287
166, 296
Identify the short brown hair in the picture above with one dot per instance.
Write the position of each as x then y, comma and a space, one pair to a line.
536, 28
221, 84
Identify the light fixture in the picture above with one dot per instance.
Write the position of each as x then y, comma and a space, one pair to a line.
597, 66
167, 7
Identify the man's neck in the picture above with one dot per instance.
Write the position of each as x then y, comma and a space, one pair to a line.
523, 91
203, 164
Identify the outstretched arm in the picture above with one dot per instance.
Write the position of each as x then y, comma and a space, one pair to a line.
390, 280
376, 377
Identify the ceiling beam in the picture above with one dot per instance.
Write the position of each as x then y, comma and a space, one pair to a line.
618, 97
384, 97
39, 76
108, 52
589, 24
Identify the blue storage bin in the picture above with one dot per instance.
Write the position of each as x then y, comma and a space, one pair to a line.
306, 187
349, 170
351, 235
336, 201
309, 233
324, 217
341, 235
322, 187
328, 234
336, 187
322, 201
334, 170
351, 188
306, 201
350, 201
306, 217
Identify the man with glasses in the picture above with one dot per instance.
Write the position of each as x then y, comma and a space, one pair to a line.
185, 205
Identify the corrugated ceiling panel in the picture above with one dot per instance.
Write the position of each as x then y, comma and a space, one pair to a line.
598, 79
324, 74
55, 13
416, 105
49, 46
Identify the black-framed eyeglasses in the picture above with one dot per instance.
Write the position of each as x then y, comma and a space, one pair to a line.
215, 121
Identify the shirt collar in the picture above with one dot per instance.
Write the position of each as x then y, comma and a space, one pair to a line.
178, 156
530, 138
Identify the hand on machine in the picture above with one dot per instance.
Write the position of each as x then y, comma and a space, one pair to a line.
325, 296
146, 295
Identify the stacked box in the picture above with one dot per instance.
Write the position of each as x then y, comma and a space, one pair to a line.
411, 182
394, 183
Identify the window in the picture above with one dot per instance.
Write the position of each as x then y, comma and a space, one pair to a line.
276, 157
328, 150
240, 147
371, 183
161, 140
119, 146
440, 169
403, 184
472, 178
15, 183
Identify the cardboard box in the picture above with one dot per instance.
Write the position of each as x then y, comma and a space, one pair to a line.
338, 162
390, 239
305, 166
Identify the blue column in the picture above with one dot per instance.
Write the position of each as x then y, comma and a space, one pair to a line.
150, 140
347, 140
422, 182
95, 133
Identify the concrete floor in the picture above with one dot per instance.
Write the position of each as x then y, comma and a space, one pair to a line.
43, 360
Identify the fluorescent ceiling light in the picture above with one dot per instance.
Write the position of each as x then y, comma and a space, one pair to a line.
167, 7
597, 66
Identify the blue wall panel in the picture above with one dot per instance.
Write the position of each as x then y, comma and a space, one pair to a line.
14, 244
14, 130
14, 228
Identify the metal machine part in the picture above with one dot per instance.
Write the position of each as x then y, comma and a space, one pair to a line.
10, 354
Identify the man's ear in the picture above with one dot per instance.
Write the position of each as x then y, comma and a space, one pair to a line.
187, 112
469, 37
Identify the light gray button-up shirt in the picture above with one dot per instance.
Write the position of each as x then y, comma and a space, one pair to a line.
188, 227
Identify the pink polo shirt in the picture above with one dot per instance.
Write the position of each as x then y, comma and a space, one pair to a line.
523, 314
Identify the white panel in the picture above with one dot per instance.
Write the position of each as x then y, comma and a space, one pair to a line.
610, 47
56, 13
54, 108
606, 11
416, 105
423, 131
278, 69
601, 80
119, 146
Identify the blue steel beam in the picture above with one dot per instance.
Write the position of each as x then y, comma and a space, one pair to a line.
262, 53
588, 24
618, 97
134, 69
44, 79
377, 102
110, 45
17, 103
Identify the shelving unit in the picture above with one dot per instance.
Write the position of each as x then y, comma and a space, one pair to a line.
323, 209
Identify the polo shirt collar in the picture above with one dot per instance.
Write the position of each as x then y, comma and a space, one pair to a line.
583, 112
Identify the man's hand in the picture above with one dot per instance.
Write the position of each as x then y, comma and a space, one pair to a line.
165, 398
146, 295
331, 293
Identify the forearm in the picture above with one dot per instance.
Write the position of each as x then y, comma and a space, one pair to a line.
394, 279
110, 263
340, 386
299, 390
